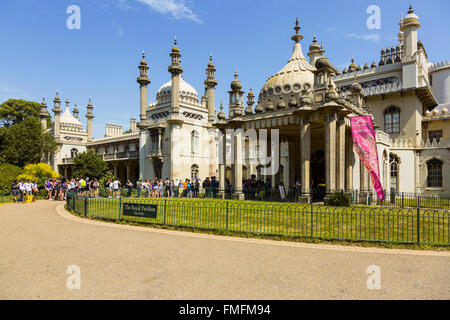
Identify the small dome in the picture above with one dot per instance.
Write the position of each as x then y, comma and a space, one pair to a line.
281, 104
292, 102
186, 90
236, 84
444, 110
411, 17
427, 113
69, 119
249, 110
259, 108
435, 112
314, 46
323, 63
270, 106
355, 87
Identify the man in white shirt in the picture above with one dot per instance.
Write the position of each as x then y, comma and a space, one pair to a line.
116, 187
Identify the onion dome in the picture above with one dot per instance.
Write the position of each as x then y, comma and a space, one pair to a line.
281, 104
427, 113
435, 112
306, 99
358, 68
366, 66
248, 110
297, 72
259, 108
292, 103
331, 92
270, 106
221, 115
68, 120
143, 62
355, 87
175, 48
323, 63
373, 65
210, 64
314, 46
344, 71
238, 112
444, 110
411, 18
236, 84
187, 92
352, 66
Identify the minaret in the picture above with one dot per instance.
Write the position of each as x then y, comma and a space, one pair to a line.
75, 111
314, 52
409, 57
176, 70
250, 102
410, 26
57, 111
235, 104
400, 33
43, 114
143, 81
210, 84
89, 116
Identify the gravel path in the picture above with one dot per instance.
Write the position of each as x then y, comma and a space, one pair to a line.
39, 241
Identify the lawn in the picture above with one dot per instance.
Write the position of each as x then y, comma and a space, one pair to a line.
285, 219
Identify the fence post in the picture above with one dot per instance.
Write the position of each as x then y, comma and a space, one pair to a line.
120, 207
403, 196
227, 217
85, 206
418, 225
312, 216
165, 206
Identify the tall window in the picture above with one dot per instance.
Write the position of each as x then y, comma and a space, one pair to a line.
194, 141
73, 152
394, 171
434, 178
194, 172
392, 120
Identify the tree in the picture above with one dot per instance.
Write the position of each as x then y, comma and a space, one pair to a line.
89, 164
25, 143
14, 111
8, 173
22, 138
39, 172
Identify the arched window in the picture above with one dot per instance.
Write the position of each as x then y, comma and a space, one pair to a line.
434, 177
194, 141
392, 120
194, 171
394, 164
73, 152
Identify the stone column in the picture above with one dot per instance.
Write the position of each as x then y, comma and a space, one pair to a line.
237, 164
349, 165
222, 162
305, 157
128, 164
291, 164
363, 196
143, 153
330, 152
340, 168
66, 171
115, 169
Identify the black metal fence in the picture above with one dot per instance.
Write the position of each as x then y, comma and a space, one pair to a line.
376, 224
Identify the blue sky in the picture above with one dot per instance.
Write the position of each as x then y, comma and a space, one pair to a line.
40, 55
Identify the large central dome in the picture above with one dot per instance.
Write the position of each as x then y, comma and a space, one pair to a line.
292, 78
187, 92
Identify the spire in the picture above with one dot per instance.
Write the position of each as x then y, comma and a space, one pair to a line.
410, 9
175, 68
90, 108
75, 111
297, 37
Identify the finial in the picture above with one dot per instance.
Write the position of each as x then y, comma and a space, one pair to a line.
353, 60
143, 54
315, 39
235, 74
410, 9
89, 99
221, 105
56, 92
297, 37
67, 102
321, 46
175, 41
43, 99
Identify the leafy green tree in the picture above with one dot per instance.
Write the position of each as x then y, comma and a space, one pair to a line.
14, 111
8, 173
89, 164
25, 143
22, 138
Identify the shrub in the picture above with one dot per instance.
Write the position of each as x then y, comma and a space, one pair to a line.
8, 173
338, 199
38, 172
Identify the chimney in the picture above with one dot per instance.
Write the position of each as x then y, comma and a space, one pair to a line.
133, 125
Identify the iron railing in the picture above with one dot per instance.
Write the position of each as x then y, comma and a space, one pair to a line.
374, 224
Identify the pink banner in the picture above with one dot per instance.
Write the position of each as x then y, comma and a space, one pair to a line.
364, 142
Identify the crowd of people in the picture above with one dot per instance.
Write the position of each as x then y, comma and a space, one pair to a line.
57, 188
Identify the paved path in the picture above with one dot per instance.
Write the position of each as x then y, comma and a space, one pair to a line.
39, 241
